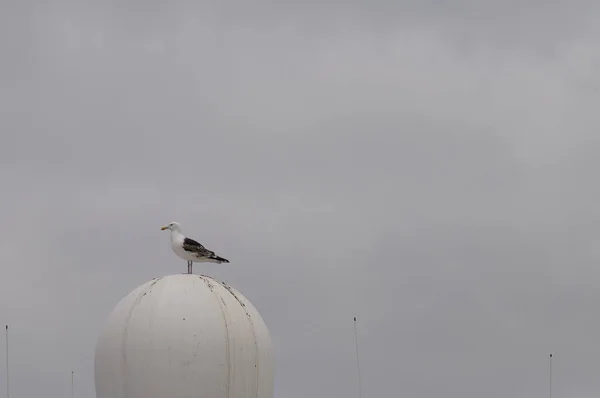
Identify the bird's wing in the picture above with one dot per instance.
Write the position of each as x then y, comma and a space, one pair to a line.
190, 245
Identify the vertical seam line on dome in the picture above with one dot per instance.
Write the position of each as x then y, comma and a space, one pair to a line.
125, 335
256, 354
227, 353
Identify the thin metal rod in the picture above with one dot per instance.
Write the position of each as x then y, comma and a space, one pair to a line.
550, 381
72, 383
7, 373
357, 360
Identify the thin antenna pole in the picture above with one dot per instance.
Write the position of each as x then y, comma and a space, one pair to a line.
7, 377
357, 359
550, 382
72, 383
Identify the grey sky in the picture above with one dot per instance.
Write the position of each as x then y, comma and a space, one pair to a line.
428, 167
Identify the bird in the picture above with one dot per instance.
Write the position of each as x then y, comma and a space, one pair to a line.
189, 249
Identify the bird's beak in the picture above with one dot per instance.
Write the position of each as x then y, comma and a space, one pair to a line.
163, 228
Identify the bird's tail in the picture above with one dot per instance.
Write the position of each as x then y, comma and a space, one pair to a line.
220, 259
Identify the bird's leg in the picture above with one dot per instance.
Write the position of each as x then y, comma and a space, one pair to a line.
189, 267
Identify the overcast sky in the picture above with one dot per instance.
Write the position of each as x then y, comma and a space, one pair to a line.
430, 167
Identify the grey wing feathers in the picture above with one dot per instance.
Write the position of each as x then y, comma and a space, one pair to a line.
191, 245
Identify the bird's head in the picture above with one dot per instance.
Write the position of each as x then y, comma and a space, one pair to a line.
172, 226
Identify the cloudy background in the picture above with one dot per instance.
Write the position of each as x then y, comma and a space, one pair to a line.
430, 167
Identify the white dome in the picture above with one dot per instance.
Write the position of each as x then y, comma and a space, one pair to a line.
184, 336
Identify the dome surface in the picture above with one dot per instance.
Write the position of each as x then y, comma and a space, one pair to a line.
184, 336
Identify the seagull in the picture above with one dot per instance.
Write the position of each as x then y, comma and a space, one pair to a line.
189, 249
